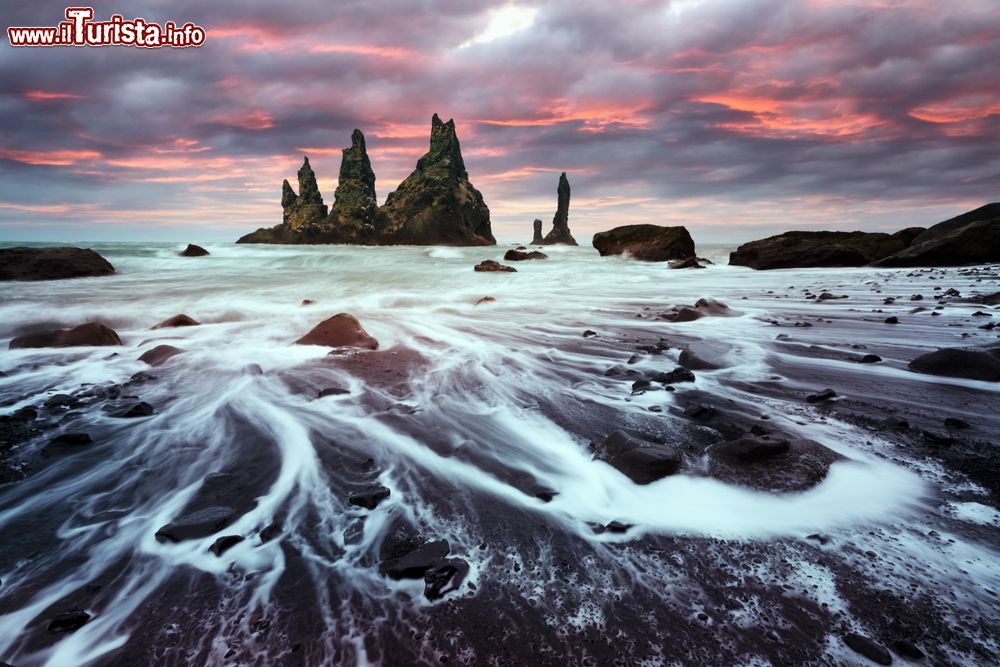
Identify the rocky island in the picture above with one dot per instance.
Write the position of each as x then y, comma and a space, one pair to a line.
436, 204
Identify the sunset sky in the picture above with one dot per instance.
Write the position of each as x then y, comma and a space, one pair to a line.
736, 118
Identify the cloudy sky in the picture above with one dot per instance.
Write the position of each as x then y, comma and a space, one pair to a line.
736, 118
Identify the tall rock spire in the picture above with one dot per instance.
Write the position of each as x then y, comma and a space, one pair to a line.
537, 239
437, 204
307, 207
354, 203
560, 222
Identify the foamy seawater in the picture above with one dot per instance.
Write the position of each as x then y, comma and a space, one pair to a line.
472, 409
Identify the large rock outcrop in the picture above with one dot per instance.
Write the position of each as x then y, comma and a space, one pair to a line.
651, 243
815, 249
51, 263
970, 238
437, 204
560, 222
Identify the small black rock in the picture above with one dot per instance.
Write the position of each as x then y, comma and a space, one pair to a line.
824, 395
369, 499
69, 621
224, 544
955, 422
866, 647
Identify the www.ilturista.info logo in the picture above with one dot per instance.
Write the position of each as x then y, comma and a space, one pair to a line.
79, 30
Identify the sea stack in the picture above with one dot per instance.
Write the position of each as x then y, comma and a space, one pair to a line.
560, 222
537, 239
307, 207
355, 207
437, 204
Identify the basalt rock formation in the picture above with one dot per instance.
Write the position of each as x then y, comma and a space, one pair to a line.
355, 206
436, 204
560, 222
51, 263
537, 238
651, 243
193, 250
811, 249
970, 238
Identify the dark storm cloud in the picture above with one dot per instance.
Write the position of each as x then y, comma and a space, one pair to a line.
757, 114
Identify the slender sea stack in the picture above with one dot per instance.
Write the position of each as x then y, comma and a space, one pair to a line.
306, 208
537, 239
355, 207
560, 223
437, 204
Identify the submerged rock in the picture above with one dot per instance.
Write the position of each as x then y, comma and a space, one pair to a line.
193, 251
651, 243
23, 263
689, 263
560, 222
69, 621
91, 334
642, 462
518, 256
437, 204
491, 265
159, 354
341, 330
969, 363
181, 320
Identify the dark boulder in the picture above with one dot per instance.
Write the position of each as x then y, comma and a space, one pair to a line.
369, 499
51, 263
651, 243
141, 409
159, 354
640, 461
91, 334
341, 330
193, 251
518, 256
492, 265
67, 443
806, 249
869, 649
197, 524
415, 563
560, 222
225, 543
181, 320
69, 621
771, 464
969, 363
970, 238
444, 577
